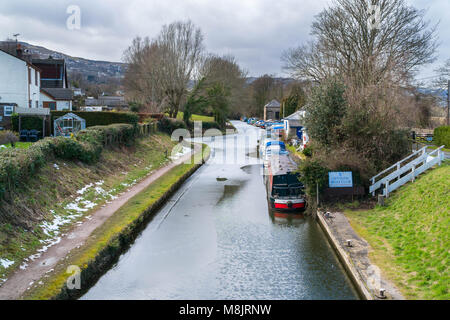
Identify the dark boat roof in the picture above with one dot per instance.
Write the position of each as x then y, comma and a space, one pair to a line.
281, 164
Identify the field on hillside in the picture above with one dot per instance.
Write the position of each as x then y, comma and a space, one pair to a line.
196, 117
65, 192
410, 237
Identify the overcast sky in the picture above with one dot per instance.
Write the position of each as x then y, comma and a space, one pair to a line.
255, 31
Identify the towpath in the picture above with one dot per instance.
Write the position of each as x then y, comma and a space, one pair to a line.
19, 282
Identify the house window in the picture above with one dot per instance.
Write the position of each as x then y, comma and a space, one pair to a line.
36, 78
29, 76
30, 104
37, 104
8, 111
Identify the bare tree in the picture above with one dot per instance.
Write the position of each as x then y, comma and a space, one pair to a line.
348, 45
443, 75
141, 77
182, 47
159, 71
264, 89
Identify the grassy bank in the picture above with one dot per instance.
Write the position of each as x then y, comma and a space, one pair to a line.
196, 117
410, 236
65, 192
19, 145
110, 240
297, 154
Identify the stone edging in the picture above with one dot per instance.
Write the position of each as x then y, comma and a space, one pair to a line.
345, 260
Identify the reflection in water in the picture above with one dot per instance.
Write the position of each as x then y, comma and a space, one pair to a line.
229, 191
216, 240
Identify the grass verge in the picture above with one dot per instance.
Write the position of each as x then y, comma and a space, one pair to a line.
299, 155
410, 236
196, 117
67, 191
19, 145
114, 237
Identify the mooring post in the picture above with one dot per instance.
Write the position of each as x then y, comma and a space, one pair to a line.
381, 200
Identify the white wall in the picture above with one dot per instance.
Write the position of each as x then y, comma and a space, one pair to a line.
13, 80
35, 90
60, 104
64, 105
14, 87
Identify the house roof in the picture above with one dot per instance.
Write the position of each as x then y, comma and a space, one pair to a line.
58, 93
71, 116
273, 104
27, 62
298, 115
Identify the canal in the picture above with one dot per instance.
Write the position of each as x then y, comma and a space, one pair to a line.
215, 239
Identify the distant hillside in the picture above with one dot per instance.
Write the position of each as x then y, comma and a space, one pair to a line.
285, 81
97, 71
440, 94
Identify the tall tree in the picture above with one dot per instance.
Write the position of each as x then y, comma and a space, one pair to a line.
227, 72
294, 102
159, 70
182, 48
262, 92
443, 75
347, 44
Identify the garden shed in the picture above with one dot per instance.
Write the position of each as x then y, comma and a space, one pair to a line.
68, 124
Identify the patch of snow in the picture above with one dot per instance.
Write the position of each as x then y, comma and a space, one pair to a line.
89, 204
74, 206
83, 190
5, 263
35, 256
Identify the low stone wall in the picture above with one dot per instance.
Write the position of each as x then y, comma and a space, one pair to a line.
365, 276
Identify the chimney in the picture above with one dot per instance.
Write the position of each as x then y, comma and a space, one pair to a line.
19, 51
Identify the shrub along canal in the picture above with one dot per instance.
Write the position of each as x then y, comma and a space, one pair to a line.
215, 239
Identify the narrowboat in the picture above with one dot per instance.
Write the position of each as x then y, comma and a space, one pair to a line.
285, 191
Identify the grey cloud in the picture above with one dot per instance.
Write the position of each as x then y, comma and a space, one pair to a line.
255, 31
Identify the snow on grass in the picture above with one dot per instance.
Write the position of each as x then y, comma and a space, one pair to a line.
5, 263
71, 212
177, 153
84, 189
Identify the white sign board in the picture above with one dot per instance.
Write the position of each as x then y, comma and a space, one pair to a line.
340, 179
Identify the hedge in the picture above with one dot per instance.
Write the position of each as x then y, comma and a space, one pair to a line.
17, 165
92, 119
27, 123
442, 136
169, 125
100, 118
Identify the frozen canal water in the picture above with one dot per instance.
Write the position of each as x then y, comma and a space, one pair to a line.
215, 239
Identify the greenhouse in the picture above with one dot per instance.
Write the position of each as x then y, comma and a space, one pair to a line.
68, 124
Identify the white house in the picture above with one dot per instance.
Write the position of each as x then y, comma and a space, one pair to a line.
58, 99
293, 124
19, 82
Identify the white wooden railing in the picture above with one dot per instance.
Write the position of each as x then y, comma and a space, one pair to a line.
406, 170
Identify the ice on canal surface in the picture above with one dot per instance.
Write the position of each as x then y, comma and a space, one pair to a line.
215, 239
